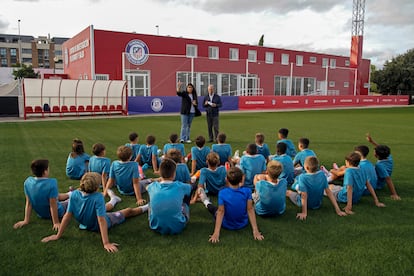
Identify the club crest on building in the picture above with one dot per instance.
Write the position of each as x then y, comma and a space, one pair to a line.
137, 52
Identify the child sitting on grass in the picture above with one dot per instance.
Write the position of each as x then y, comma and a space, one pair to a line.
133, 144
310, 189
270, 191
288, 170
169, 199
251, 164
199, 155
235, 207
283, 138
77, 162
182, 173
212, 178
384, 167
355, 181
42, 196
99, 163
88, 207
124, 174
299, 160
174, 144
262, 147
222, 149
148, 155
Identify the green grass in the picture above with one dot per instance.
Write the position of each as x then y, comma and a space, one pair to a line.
374, 241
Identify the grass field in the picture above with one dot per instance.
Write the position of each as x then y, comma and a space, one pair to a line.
374, 241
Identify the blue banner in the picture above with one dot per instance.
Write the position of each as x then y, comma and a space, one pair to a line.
171, 104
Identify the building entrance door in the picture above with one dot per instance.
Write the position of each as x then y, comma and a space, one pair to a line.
138, 83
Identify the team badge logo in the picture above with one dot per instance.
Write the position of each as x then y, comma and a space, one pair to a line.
137, 52
157, 104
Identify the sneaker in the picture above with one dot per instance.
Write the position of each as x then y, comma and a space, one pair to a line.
335, 166
236, 154
193, 179
181, 141
188, 141
202, 195
71, 189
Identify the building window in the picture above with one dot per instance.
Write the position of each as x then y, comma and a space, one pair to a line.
285, 59
281, 85
347, 62
191, 50
26, 51
299, 60
312, 59
332, 84
333, 63
234, 54
3, 52
325, 62
269, 58
13, 52
346, 84
3, 62
252, 55
213, 52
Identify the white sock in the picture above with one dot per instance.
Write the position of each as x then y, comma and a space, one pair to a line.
114, 200
144, 208
111, 193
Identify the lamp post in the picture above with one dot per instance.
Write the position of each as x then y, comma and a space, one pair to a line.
158, 29
20, 44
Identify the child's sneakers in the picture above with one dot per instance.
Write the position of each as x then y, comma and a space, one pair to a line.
335, 166
325, 171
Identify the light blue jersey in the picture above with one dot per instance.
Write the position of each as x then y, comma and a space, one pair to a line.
166, 206
200, 155
147, 152
99, 164
177, 146
135, 150
40, 190
213, 180
272, 197
76, 166
263, 150
288, 170
86, 208
182, 173
290, 147
301, 157
314, 185
356, 178
124, 173
368, 168
224, 151
235, 207
384, 169
252, 165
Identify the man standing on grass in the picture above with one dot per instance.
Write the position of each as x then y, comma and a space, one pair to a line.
212, 103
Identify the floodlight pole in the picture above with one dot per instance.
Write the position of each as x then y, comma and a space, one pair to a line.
20, 44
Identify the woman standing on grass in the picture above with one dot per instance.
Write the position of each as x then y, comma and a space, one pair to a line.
189, 109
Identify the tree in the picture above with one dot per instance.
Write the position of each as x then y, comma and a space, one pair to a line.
25, 72
373, 85
397, 76
261, 40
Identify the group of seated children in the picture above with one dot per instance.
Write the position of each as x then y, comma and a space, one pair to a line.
255, 183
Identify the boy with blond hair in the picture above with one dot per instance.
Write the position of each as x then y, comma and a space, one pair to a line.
270, 191
88, 207
212, 178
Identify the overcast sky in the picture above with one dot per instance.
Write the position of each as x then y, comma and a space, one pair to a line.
315, 25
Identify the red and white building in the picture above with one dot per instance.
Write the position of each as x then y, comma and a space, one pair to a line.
153, 64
